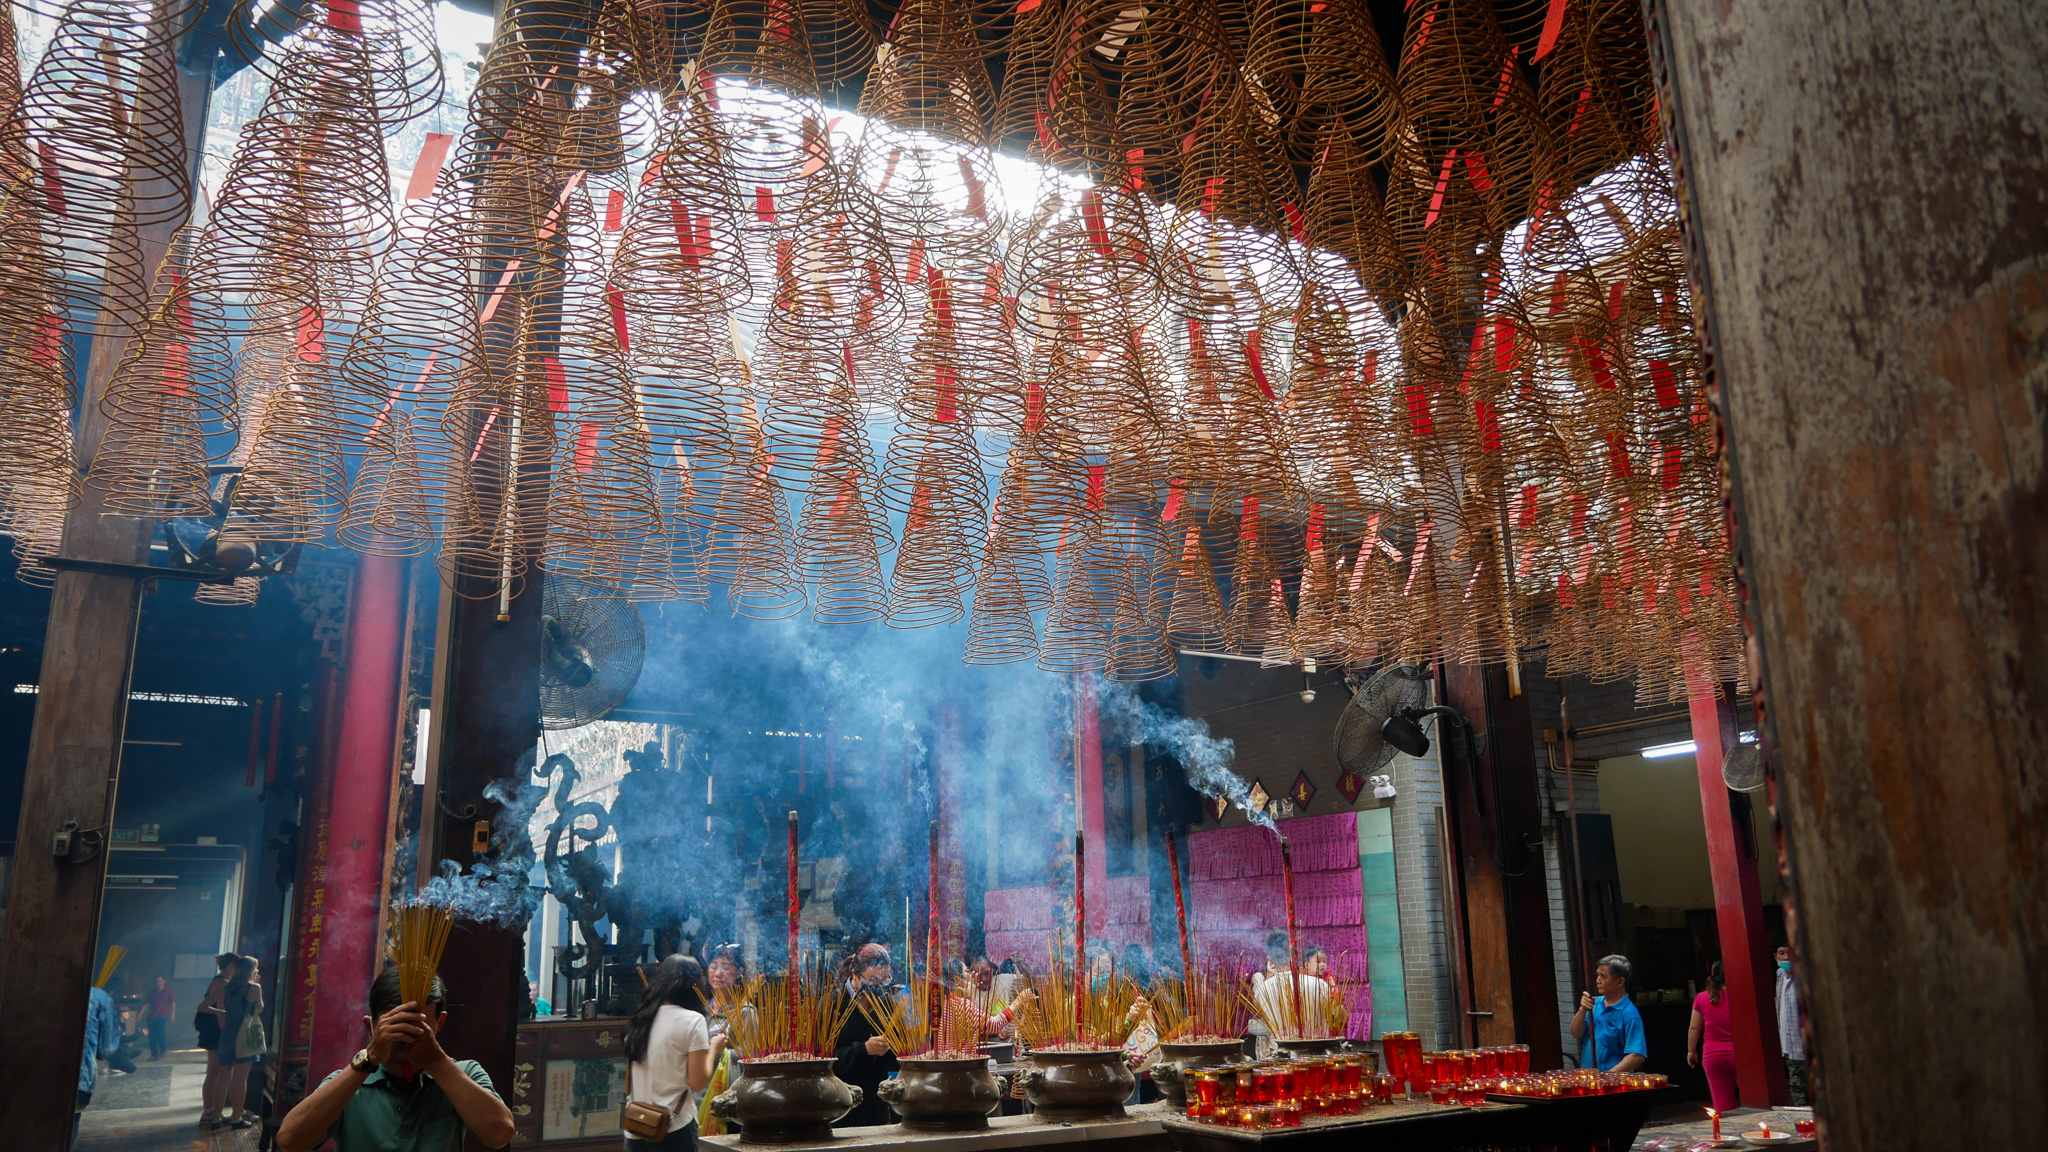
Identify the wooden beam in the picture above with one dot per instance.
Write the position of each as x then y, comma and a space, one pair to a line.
1865, 203
74, 754
1738, 909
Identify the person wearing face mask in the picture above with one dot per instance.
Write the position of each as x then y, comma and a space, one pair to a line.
1791, 1038
863, 1055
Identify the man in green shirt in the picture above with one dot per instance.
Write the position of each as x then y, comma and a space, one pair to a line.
401, 1093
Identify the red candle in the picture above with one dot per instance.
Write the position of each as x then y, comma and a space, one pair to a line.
1080, 936
1180, 913
934, 989
794, 911
1293, 935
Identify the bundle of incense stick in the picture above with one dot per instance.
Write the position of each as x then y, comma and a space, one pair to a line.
419, 933
794, 1015
1318, 1014
1206, 1006
900, 1020
115, 954
1069, 1017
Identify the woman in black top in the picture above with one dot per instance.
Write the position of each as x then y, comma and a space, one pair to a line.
213, 1090
863, 1055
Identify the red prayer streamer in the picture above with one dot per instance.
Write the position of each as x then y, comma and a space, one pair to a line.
1180, 909
794, 911
1293, 932
1080, 939
934, 989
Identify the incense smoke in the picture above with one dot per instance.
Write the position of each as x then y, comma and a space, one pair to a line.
1204, 758
497, 889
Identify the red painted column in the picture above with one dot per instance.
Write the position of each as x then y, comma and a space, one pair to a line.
350, 887
1088, 799
952, 877
1738, 910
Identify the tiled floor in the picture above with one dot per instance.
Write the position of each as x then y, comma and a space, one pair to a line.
1739, 1120
155, 1109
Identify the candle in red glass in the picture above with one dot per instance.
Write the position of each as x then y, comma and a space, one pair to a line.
1293, 936
1180, 913
1080, 938
934, 988
794, 982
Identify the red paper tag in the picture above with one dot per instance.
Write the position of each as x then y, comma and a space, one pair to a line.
344, 15
1443, 183
1487, 417
686, 236
558, 384
1312, 537
1674, 461
1419, 420
177, 368
1257, 363
615, 299
1578, 113
312, 343
426, 171
1618, 464
913, 263
1098, 229
1295, 226
1096, 487
1476, 173
977, 205
1596, 363
1034, 406
49, 342
1172, 510
53, 181
1210, 190
1553, 24
586, 447
1615, 297
828, 443
1527, 518
614, 210
1507, 75
946, 394
764, 204
1665, 383
1504, 344
1248, 519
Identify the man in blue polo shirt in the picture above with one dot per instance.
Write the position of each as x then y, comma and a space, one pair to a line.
1614, 1040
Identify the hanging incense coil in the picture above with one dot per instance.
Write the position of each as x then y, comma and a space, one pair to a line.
1084, 589
751, 552
1138, 648
392, 44
1195, 617
389, 513
292, 479
684, 515
1009, 587
171, 391
1321, 65
101, 118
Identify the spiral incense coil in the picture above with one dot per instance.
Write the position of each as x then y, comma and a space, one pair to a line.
392, 43
684, 516
499, 431
292, 480
751, 551
1195, 614
1084, 589
1138, 649
1160, 62
241, 592
101, 120
38, 472
1345, 218
1036, 45
1009, 587
819, 433
1594, 92
388, 512
1321, 66
171, 391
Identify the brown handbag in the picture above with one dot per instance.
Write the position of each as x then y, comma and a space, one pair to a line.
644, 1121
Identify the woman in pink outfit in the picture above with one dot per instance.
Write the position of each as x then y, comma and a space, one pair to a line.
1713, 1019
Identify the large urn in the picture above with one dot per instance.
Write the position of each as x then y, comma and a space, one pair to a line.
943, 1094
1179, 1057
1089, 1084
786, 1101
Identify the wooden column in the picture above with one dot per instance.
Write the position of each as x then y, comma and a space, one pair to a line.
1495, 815
74, 754
1738, 909
1865, 196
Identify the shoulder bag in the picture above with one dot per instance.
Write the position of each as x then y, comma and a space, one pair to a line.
251, 1041
647, 1122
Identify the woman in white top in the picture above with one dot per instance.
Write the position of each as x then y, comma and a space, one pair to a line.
670, 1050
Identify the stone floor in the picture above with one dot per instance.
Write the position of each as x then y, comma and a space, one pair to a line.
155, 1109
1682, 1129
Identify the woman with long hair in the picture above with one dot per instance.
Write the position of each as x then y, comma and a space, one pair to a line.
670, 1050
207, 1022
1713, 1018
243, 999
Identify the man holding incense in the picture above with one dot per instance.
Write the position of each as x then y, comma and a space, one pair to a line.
401, 1092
